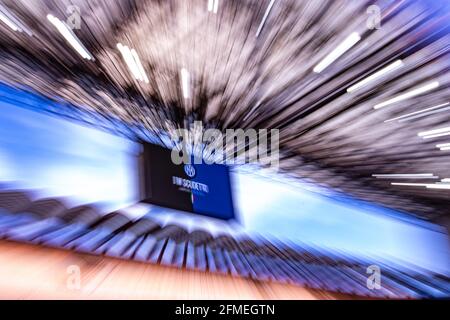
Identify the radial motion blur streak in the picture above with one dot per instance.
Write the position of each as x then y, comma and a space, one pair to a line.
200, 60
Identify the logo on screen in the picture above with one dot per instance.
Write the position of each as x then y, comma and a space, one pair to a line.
189, 170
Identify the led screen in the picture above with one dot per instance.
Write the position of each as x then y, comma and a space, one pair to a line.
199, 188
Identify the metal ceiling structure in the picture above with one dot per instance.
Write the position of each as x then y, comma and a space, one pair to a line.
260, 64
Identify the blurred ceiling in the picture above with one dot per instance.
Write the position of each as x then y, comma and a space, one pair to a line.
252, 64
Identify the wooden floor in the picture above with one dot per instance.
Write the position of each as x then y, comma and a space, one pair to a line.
34, 272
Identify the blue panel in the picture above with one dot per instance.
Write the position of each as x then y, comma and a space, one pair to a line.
217, 202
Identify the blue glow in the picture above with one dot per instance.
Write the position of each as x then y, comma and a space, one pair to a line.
65, 159
298, 214
68, 159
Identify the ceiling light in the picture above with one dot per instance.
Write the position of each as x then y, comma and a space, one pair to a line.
434, 132
129, 60
421, 113
394, 65
443, 145
266, 14
349, 42
406, 176
68, 34
213, 5
409, 94
438, 186
424, 114
185, 80
437, 135
133, 62
8, 22
409, 184
426, 185
143, 76
12, 22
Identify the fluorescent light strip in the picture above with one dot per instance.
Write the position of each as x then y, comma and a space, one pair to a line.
9, 23
437, 135
213, 5
426, 185
406, 175
409, 94
443, 145
185, 80
438, 186
129, 60
68, 34
424, 114
446, 180
394, 65
409, 184
434, 132
139, 66
133, 62
414, 178
266, 14
343, 47
445, 149
135, 59
420, 113
12, 22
